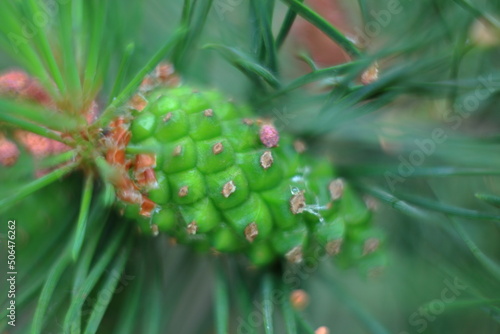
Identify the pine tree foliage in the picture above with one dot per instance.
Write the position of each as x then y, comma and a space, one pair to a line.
409, 121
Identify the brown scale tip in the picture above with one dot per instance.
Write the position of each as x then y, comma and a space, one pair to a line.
295, 255
228, 189
183, 191
143, 161
370, 246
322, 330
146, 179
218, 148
177, 151
208, 113
138, 102
167, 117
266, 159
299, 146
333, 247
336, 188
251, 232
192, 228
299, 299
165, 74
147, 207
147, 84
129, 195
298, 202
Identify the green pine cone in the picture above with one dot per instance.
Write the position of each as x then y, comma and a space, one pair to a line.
221, 179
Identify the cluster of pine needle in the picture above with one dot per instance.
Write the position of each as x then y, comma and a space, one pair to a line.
419, 138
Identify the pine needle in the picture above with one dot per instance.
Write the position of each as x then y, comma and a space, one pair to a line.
288, 315
48, 289
267, 303
128, 313
122, 71
489, 264
36, 185
108, 286
286, 26
41, 116
246, 64
81, 224
322, 24
221, 302
134, 83
92, 279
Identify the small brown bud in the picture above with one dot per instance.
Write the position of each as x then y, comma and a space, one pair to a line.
269, 136
208, 113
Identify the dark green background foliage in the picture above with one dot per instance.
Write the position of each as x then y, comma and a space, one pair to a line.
422, 141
